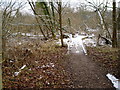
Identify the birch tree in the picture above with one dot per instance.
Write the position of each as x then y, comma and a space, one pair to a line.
101, 9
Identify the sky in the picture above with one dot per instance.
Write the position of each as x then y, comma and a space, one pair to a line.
74, 3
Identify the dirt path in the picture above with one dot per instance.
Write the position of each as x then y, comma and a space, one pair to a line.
84, 73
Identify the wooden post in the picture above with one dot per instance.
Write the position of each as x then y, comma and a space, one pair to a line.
114, 38
118, 25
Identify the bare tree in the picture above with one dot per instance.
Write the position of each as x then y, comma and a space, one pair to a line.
118, 24
114, 38
32, 5
60, 21
8, 8
101, 9
50, 13
6, 16
0, 49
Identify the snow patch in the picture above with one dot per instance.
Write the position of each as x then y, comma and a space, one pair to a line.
27, 34
48, 65
19, 43
75, 41
40, 77
16, 73
23, 67
90, 42
36, 61
92, 30
79, 42
114, 80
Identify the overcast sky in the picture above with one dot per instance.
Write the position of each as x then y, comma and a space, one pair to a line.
72, 2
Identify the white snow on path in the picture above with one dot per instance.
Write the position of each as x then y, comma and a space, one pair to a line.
114, 80
76, 42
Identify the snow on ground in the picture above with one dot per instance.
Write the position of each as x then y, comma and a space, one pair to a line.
93, 30
48, 65
114, 80
27, 34
89, 42
16, 73
77, 40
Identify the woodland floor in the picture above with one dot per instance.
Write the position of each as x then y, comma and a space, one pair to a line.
48, 66
85, 73
106, 57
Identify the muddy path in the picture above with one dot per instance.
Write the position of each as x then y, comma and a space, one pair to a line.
85, 73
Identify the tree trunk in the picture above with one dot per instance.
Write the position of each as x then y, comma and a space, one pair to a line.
3, 48
60, 21
0, 52
118, 25
40, 28
98, 39
31, 5
114, 38
103, 24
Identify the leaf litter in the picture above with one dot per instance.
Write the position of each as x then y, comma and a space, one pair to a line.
34, 64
